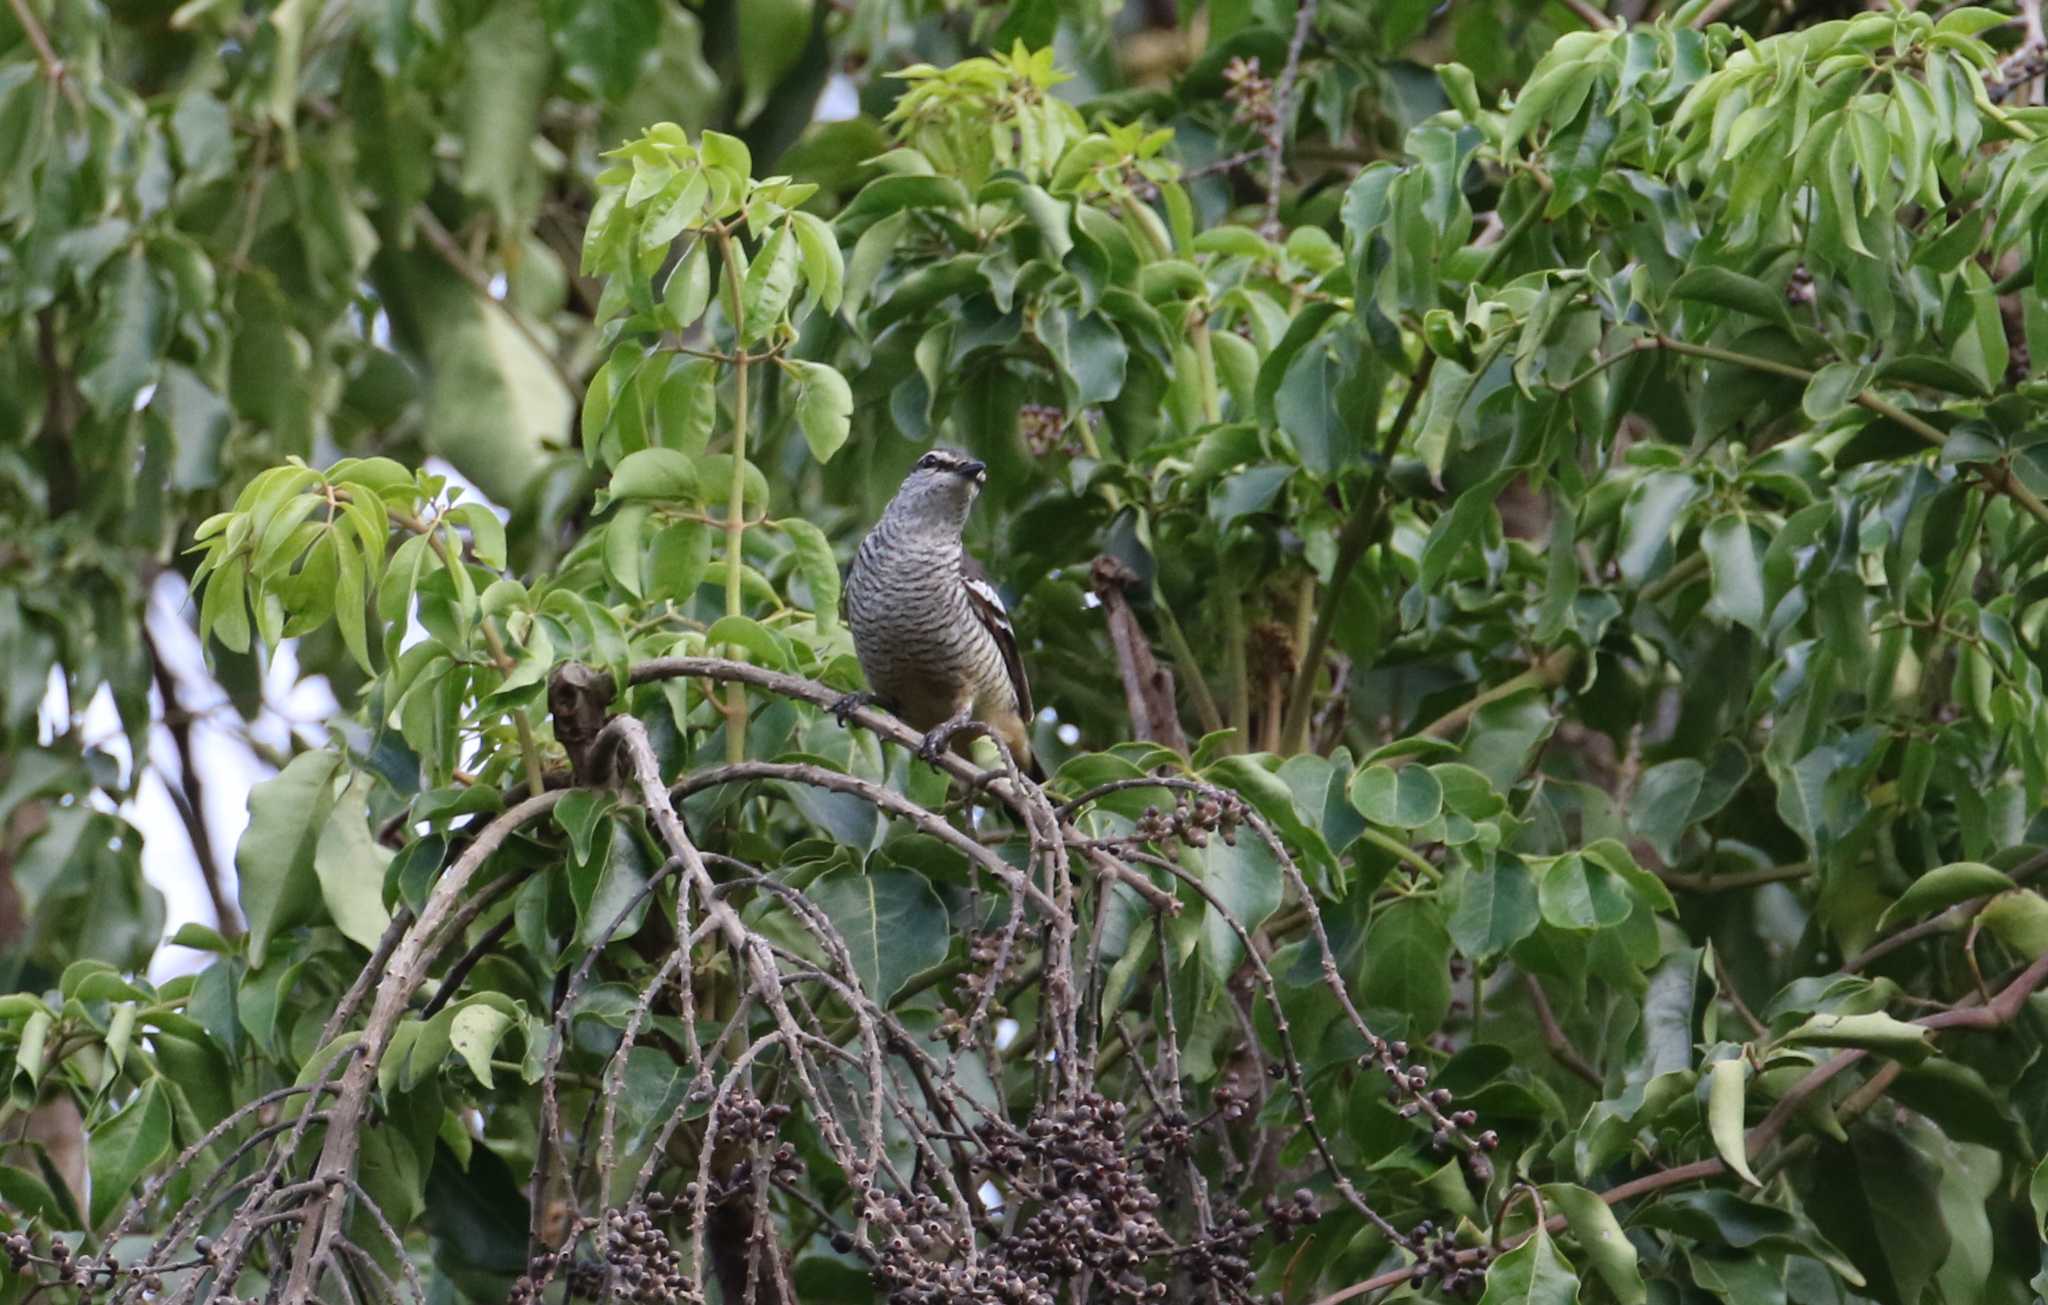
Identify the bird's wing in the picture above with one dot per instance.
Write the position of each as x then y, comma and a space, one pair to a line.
987, 606
846, 587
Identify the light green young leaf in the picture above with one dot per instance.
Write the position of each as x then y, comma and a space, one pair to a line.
824, 266
662, 474
1599, 1234
771, 281
1725, 1082
1944, 886
819, 568
824, 406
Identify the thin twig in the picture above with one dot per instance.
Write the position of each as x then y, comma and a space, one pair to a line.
1283, 112
190, 794
1553, 1035
46, 54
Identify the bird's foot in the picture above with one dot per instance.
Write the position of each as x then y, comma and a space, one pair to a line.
937, 740
842, 710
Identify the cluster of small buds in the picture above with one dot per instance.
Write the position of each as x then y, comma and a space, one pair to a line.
909, 1255
1408, 1090
1232, 1100
1438, 1256
1284, 1217
985, 948
641, 1263
1094, 1212
64, 1268
634, 1260
1191, 821
1250, 93
744, 1118
1043, 428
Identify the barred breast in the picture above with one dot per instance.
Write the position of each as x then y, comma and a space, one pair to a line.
922, 648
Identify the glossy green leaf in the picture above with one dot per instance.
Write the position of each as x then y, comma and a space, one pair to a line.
126, 1146
1726, 1082
1942, 887
275, 860
824, 407
892, 924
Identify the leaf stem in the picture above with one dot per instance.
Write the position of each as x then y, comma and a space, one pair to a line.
1407, 855
2000, 478
735, 521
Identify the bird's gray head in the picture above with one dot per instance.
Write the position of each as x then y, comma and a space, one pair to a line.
939, 490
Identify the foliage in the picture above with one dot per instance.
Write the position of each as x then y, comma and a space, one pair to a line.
1597, 543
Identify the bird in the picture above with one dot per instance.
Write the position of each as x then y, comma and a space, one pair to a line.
931, 632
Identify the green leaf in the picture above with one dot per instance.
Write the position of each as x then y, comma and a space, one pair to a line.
824, 406
819, 568
661, 474
764, 647
892, 922
1408, 798
1407, 963
1833, 388
1725, 1083
1577, 892
1494, 909
1729, 289
350, 864
1943, 887
623, 536
1246, 883
1653, 509
1875, 1031
1531, 1274
506, 76
476, 1027
824, 266
1661, 810
772, 37
771, 282
1600, 1236
1738, 572
2020, 921
274, 862
126, 1146
121, 348
687, 291
224, 612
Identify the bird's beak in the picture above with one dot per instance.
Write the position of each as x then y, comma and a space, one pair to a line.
975, 471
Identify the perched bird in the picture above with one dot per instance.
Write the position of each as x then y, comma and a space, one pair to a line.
932, 634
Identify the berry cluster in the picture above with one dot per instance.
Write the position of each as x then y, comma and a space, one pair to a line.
1191, 821
1093, 1212
1437, 1256
81, 1273
634, 1260
1408, 1089
1250, 93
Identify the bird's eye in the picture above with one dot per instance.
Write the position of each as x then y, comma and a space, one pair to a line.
928, 460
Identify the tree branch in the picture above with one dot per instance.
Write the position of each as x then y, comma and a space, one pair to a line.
1994, 1014
191, 791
